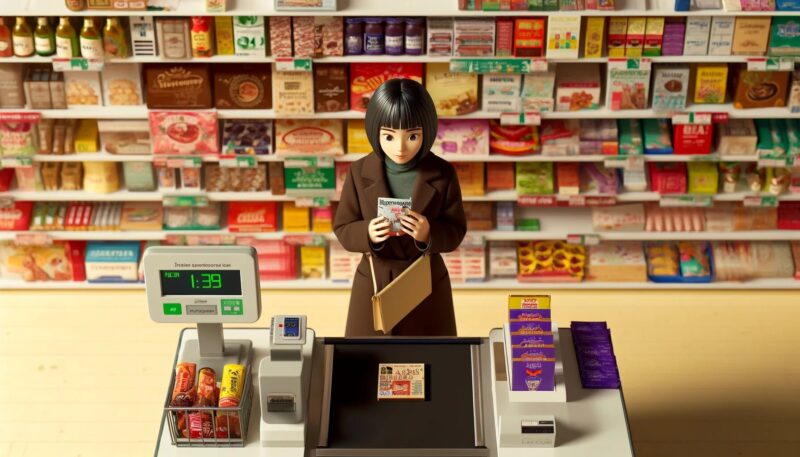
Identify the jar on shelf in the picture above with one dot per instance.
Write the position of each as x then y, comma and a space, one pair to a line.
374, 37
395, 36
354, 36
415, 36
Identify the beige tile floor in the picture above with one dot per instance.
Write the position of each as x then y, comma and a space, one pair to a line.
705, 374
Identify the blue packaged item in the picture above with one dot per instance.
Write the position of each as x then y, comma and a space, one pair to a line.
787, 5
657, 136
112, 261
682, 5
682, 262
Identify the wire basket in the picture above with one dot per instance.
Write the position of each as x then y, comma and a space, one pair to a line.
209, 426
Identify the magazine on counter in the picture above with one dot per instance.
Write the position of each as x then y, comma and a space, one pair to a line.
392, 209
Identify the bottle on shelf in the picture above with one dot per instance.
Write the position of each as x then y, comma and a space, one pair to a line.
6, 45
67, 45
44, 38
22, 38
201, 37
91, 41
115, 42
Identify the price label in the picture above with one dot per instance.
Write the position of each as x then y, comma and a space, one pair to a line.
20, 117
178, 162
697, 201
312, 202
630, 163
630, 63
238, 161
586, 240
766, 201
33, 239
770, 64
291, 64
506, 65
306, 240
473, 240
692, 118
78, 64
16, 162
523, 118
539, 64
537, 200
704, 158
186, 200
772, 162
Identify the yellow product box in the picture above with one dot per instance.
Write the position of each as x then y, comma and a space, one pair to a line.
528, 302
86, 136
452, 93
634, 38
357, 141
223, 28
703, 178
322, 220
711, 83
653, 36
750, 36
101, 177
595, 31
295, 219
313, 262
617, 34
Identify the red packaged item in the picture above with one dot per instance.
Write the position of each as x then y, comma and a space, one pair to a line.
529, 37
692, 138
796, 256
789, 216
366, 77
568, 178
76, 253
667, 177
513, 140
277, 259
341, 175
200, 423
183, 391
6, 178
500, 176
252, 216
504, 39
16, 217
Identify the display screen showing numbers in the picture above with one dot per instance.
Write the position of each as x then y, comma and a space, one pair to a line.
200, 282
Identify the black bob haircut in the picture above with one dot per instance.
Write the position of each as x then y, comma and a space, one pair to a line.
401, 104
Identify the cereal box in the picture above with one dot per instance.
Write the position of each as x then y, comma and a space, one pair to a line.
184, 132
122, 84
617, 36
634, 39
595, 31
250, 38
401, 381
529, 39
721, 39
563, 36
670, 88
750, 36
785, 39
761, 89
83, 88
653, 36
309, 136
366, 77
452, 93
698, 29
357, 141
293, 92
462, 136
628, 87
710, 83
577, 87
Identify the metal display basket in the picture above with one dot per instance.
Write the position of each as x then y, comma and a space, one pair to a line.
183, 422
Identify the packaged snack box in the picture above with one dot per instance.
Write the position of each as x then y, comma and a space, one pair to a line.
366, 77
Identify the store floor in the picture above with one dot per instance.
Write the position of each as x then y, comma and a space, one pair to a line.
705, 374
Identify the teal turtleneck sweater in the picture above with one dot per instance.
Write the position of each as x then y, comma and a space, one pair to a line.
401, 177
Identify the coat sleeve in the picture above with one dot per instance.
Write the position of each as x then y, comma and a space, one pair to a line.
349, 224
448, 230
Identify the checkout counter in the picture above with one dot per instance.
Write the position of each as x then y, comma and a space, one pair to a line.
310, 396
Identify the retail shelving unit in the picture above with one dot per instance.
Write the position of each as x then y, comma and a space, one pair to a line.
558, 223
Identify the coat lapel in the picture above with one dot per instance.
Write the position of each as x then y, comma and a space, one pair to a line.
428, 170
378, 187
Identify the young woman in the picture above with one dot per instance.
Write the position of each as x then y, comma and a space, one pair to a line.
401, 126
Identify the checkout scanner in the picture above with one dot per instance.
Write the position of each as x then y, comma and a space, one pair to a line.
312, 396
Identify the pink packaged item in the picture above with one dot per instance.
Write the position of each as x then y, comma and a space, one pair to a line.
457, 136
184, 132
660, 219
595, 177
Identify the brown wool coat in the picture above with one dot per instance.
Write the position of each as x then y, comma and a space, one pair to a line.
436, 195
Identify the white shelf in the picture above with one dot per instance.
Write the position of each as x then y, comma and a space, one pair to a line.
153, 235
125, 195
494, 284
373, 8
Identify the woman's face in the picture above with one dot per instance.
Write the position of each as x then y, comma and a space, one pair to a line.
401, 145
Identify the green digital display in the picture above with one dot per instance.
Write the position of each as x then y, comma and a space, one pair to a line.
200, 282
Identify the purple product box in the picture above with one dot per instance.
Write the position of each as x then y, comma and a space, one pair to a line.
580, 325
597, 363
600, 379
533, 341
595, 350
530, 328
538, 376
528, 315
531, 354
672, 43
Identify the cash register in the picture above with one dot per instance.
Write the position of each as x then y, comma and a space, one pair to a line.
318, 396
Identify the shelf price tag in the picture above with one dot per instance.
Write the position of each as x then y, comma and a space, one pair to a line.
312, 202
78, 64
237, 161
774, 162
16, 162
292, 64
185, 200
760, 201
508, 65
630, 163
306, 240
692, 118
698, 201
522, 118
33, 239
770, 64
537, 200
586, 240
20, 117
704, 158
178, 162
591, 200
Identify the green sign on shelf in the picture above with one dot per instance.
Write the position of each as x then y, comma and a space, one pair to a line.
16, 162
761, 201
309, 175
185, 200
491, 65
239, 161
291, 64
686, 200
78, 64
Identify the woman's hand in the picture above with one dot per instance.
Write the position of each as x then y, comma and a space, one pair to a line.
378, 229
416, 225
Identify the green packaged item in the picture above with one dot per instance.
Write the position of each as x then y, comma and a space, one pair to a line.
18, 139
780, 139
657, 139
535, 5
535, 178
630, 137
529, 225
784, 36
764, 147
139, 176
490, 5
549, 5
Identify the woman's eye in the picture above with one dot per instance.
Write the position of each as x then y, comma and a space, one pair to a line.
388, 137
413, 137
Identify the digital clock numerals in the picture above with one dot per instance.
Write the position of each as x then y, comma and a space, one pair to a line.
206, 280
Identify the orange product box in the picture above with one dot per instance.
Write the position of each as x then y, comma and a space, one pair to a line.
568, 178
471, 178
500, 176
252, 216
529, 37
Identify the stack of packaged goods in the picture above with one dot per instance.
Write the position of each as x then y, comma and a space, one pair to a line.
595, 353
533, 353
